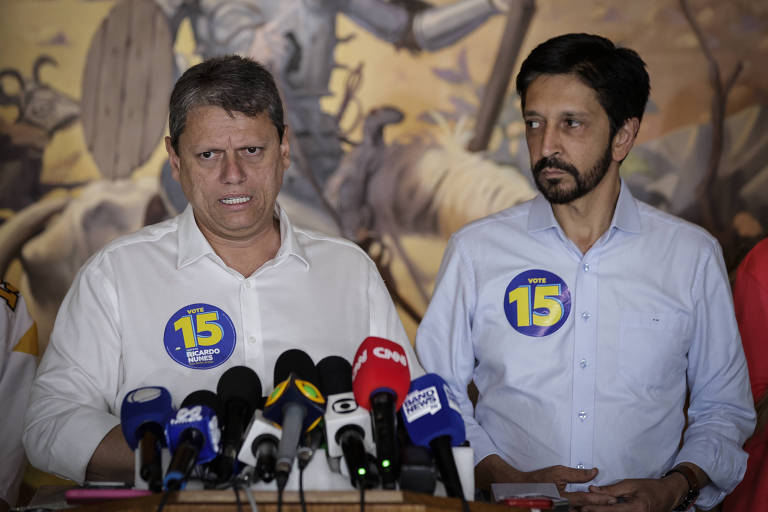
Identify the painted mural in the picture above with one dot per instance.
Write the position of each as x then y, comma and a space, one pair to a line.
404, 127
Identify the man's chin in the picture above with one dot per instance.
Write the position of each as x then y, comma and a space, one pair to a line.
557, 192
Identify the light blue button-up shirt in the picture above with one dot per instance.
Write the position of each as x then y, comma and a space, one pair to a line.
584, 360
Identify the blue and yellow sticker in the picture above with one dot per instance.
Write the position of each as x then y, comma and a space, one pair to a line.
537, 303
199, 336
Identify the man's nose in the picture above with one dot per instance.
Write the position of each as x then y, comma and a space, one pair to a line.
232, 171
550, 141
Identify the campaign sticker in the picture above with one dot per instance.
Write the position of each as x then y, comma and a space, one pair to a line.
199, 336
537, 303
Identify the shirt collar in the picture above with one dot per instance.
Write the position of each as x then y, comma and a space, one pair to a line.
626, 217
193, 245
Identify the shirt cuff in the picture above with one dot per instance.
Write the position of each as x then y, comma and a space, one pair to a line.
482, 446
724, 474
76, 442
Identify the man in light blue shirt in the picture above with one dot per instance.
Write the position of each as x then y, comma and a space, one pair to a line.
584, 316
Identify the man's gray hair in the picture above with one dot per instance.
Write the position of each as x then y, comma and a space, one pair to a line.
234, 83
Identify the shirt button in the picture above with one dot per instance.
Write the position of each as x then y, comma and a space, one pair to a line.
585, 315
586, 267
583, 363
582, 415
248, 284
252, 339
579, 466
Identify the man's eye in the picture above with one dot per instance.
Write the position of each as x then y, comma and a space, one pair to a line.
206, 155
532, 124
572, 123
252, 150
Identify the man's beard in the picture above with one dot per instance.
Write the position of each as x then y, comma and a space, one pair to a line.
557, 193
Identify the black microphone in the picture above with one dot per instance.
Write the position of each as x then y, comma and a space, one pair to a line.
347, 425
295, 404
239, 390
260, 446
193, 436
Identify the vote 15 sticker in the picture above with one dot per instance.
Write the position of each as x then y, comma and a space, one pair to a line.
199, 336
537, 303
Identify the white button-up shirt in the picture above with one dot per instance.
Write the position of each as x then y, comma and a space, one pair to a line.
584, 360
160, 307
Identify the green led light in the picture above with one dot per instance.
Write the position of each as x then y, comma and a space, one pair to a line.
361, 471
385, 463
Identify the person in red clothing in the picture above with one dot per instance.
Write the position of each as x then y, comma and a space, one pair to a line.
750, 297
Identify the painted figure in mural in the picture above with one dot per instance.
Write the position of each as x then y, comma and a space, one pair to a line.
231, 281
18, 361
583, 316
297, 39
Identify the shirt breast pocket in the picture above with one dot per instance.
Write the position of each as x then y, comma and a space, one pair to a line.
653, 348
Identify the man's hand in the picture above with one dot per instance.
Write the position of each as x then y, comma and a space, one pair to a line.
641, 494
493, 469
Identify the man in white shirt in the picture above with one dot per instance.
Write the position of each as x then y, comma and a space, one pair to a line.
18, 360
228, 282
584, 316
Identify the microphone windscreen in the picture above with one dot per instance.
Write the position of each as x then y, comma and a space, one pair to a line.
380, 365
334, 375
203, 397
143, 408
240, 383
296, 361
429, 412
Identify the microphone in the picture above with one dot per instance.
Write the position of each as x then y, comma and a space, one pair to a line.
295, 404
380, 380
347, 426
260, 446
143, 415
193, 436
432, 419
239, 390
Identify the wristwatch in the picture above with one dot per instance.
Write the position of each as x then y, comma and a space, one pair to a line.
693, 487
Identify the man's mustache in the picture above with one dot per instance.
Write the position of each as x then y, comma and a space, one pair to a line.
554, 163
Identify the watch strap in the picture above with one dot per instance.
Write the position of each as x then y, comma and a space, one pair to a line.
693, 487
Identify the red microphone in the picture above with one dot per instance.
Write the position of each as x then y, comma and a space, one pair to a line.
380, 382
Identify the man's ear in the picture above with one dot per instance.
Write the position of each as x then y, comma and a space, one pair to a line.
285, 148
173, 158
625, 138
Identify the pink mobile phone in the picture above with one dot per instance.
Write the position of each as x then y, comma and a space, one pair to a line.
81, 495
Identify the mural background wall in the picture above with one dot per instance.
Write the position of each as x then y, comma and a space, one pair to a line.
382, 127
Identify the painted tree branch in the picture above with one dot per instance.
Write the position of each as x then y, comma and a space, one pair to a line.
706, 189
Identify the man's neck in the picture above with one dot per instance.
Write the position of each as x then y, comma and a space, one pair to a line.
586, 219
247, 256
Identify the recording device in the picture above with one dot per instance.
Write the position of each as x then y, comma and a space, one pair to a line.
295, 404
432, 419
143, 416
417, 469
347, 426
380, 381
260, 446
239, 390
193, 436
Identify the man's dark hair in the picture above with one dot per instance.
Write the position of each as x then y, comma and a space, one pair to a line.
617, 75
234, 83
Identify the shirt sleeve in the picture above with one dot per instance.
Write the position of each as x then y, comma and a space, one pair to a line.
71, 406
444, 339
385, 322
18, 361
721, 414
